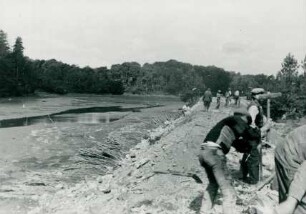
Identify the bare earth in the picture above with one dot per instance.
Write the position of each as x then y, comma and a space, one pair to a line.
135, 187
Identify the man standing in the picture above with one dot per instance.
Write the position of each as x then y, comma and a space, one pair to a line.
237, 98
218, 99
207, 98
250, 164
231, 131
228, 95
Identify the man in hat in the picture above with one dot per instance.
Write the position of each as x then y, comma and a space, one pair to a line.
231, 131
251, 161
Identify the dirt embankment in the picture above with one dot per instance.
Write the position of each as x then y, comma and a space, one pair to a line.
153, 177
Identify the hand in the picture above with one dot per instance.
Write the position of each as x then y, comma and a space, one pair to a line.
269, 123
261, 210
262, 207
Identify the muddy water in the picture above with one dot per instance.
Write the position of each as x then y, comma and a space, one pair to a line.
50, 141
89, 115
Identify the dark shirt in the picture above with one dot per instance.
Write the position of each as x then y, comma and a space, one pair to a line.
231, 129
207, 96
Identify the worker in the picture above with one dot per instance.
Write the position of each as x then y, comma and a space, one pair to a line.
290, 167
231, 131
237, 98
250, 163
207, 98
228, 95
219, 94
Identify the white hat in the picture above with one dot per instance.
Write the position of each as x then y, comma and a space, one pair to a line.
258, 91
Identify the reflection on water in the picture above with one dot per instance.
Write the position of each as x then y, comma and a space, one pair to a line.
89, 118
92, 115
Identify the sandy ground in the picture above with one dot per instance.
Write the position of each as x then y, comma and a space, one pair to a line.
135, 187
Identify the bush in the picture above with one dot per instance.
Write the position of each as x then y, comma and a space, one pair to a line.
288, 106
189, 97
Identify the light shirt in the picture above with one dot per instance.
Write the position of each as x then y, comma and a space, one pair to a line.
253, 111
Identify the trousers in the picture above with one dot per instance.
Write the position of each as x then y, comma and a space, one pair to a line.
250, 163
214, 162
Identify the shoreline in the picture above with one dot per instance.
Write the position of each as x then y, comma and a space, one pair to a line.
29, 106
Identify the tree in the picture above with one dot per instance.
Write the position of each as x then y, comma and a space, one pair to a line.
4, 47
304, 65
289, 72
19, 58
7, 81
116, 87
291, 102
303, 76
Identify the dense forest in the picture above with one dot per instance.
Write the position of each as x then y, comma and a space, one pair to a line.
20, 75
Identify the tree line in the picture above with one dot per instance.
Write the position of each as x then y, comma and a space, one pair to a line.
20, 75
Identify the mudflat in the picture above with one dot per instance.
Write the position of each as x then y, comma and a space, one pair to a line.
61, 147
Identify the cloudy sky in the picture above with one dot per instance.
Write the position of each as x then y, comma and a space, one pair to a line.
247, 36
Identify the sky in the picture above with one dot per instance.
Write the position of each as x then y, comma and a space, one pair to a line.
246, 36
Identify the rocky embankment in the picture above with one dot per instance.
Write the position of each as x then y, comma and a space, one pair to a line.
159, 175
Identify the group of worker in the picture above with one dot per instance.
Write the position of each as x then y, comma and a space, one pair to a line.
244, 131
207, 98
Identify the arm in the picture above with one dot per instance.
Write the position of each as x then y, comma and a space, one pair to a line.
296, 192
287, 207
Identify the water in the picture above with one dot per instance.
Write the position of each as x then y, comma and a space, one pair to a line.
91, 115
62, 139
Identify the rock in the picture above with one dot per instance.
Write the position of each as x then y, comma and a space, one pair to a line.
35, 184
130, 173
167, 122
106, 191
59, 186
100, 179
6, 190
110, 168
139, 176
146, 136
105, 185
